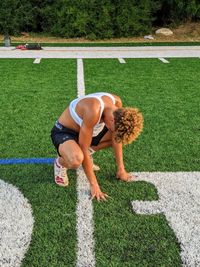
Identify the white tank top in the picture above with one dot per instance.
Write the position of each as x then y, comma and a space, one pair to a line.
72, 109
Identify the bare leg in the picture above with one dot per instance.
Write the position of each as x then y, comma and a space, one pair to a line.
105, 142
71, 155
71, 158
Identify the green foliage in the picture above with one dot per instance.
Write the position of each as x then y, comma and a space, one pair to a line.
8, 20
132, 17
102, 19
94, 19
193, 10
16, 16
176, 11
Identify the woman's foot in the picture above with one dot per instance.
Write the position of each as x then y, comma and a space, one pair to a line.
60, 174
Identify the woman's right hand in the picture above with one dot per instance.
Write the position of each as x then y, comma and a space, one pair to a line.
97, 193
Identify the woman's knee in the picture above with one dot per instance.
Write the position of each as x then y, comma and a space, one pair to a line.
72, 161
72, 156
75, 160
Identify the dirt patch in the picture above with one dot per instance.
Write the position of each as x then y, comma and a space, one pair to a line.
188, 32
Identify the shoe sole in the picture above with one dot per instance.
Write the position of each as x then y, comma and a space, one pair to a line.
63, 185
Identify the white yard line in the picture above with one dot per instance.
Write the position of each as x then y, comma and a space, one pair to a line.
37, 61
16, 225
163, 60
80, 78
84, 211
121, 60
179, 198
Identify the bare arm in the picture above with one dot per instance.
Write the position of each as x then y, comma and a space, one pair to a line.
118, 152
85, 138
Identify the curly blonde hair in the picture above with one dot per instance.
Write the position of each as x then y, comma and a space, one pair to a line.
128, 124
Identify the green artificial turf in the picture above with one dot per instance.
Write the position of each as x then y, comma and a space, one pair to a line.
93, 44
112, 44
32, 96
168, 96
124, 238
53, 241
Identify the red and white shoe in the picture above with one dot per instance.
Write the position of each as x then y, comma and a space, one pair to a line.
60, 174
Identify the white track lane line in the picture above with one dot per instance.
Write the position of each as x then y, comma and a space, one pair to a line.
163, 60
37, 61
84, 211
121, 60
104, 52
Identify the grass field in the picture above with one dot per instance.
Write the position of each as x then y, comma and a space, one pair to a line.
32, 96
103, 44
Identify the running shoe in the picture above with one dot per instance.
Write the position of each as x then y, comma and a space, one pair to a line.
95, 167
60, 174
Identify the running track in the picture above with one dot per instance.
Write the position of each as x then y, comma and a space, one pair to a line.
103, 52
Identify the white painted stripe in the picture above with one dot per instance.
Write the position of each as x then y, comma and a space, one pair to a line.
163, 60
80, 78
37, 61
84, 226
84, 211
104, 52
179, 198
16, 225
121, 60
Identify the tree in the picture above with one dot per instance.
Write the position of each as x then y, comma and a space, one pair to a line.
8, 18
16, 16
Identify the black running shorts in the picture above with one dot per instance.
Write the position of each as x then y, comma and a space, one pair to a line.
61, 134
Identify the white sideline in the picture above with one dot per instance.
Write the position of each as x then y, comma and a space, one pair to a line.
163, 60
121, 60
84, 211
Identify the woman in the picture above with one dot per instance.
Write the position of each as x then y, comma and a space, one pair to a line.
91, 123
